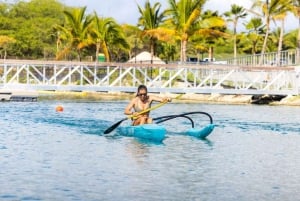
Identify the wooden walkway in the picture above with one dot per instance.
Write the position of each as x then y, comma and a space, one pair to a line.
33, 75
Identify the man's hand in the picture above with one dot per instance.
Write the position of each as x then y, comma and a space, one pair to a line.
167, 100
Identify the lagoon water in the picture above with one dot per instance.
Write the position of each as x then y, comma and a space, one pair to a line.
253, 154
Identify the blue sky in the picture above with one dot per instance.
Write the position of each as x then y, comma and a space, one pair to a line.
125, 11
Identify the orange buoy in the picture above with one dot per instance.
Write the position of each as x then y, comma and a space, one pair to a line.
59, 108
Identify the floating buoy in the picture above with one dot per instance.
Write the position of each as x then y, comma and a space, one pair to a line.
59, 108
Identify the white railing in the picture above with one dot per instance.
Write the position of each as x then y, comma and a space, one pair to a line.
173, 78
284, 58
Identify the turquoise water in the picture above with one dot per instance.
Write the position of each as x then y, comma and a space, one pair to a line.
253, 154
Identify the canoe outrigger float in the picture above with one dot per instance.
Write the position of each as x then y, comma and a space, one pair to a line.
155, 132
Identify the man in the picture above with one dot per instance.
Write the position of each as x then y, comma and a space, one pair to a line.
141, 102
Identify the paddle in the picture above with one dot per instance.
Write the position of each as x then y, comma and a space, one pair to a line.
114, 126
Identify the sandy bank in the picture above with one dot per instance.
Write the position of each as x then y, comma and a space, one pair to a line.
289, 100
201, 98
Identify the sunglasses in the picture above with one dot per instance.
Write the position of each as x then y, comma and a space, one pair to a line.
142, 94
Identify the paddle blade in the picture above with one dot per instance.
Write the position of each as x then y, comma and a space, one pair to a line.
113, 127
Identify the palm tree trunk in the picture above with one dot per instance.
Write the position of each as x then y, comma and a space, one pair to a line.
79, 55
280, 43
5, 54
211, 53
105, 51
298, 37
183, 51
234, 41
235, 48
253, 48
97, 50
152, 49
298, 42
264, 44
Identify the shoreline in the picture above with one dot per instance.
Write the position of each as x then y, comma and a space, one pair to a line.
186, 98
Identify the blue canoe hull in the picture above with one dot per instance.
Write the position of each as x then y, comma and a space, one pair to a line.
151, 132
201, 133
155, 132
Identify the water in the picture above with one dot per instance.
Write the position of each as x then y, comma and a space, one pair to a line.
253, 154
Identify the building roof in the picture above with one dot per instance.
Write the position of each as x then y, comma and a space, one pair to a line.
145, 58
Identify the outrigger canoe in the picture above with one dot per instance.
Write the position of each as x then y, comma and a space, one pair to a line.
155, 132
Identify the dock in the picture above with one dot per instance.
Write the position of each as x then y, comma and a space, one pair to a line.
18, 96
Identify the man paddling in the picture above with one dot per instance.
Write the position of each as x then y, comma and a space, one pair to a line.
141, 102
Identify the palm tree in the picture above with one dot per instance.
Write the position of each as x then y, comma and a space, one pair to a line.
281, 17
150, 20
107, 32
210, 31
270, 9
75, 32
233, 16
274, 40
184, 18
290, 40
296, 4
132, 34
256, 28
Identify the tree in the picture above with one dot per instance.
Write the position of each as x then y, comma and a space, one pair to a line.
107, 32
75, 32
31, 24
210, 30
150, 20
132, 34
5, 42
233, 16
183, 15
184, 19
256, 29
296, 4
281, 17
290, 40
269, 10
